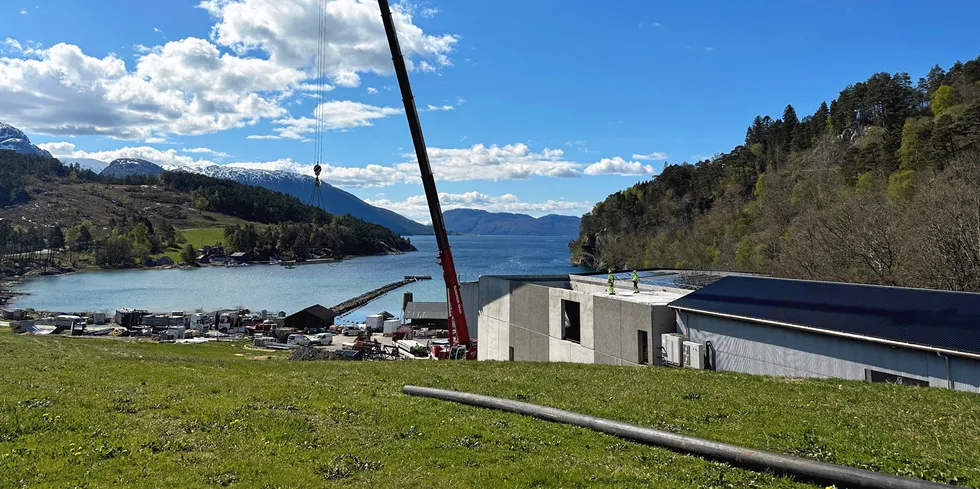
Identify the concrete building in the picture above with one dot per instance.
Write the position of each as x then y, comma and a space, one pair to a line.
742, 323
572, 318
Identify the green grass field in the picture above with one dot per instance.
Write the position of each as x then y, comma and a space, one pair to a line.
104, 413
199, 238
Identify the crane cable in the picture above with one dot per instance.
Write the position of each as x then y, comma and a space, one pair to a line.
316, 197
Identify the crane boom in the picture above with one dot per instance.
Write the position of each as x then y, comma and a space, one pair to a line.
458, 332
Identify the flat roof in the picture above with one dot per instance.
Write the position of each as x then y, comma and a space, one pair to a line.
917, 318
426, 310
647, 297
670, 277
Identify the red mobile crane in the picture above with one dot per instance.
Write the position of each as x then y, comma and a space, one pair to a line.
460, 344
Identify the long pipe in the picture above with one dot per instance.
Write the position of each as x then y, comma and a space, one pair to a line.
459, 333
743, 457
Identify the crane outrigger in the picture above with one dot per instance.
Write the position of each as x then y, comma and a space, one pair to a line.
461, 346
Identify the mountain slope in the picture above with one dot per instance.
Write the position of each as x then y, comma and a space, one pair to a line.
86, 163
131, 167
336, 201
877, 187
474, 221
14, 139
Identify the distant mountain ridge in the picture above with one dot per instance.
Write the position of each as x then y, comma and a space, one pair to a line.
474, 221
336, 201
129, 167
14, 139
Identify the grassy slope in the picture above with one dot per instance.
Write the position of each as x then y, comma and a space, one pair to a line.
67, 205
199, 237
98, 413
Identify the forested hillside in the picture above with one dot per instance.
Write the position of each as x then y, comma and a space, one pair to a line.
115, 223
882, 186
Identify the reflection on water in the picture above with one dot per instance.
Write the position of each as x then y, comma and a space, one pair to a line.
276, 288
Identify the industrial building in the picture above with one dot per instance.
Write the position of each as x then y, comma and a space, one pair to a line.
736, 322
315, 318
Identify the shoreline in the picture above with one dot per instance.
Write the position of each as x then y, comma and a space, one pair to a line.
71, 271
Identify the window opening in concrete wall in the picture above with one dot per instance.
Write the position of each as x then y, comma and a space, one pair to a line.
642, 347
571, 327
512, 353
876, 376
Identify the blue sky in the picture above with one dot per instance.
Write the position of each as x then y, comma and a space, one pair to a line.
595, 80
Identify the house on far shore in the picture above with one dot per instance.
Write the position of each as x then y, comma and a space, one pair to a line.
240, 257
313, 319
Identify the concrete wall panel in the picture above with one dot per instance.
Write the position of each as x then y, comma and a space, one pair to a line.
607, 327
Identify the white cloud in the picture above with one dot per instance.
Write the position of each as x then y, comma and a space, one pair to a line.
479, 162
195, 86
655, 156
336, 115
347, 79
460, 100
442, 107
372, 91
184, 87
429, 12
618, 166
155, 140
216, 154
164, 158
23, 11
416, 206
287, 31
263, 136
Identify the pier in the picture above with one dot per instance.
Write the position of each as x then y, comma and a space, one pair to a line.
352, 304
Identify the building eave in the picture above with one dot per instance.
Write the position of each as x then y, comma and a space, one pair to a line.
829, 332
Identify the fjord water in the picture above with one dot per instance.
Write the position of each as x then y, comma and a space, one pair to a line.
276, 288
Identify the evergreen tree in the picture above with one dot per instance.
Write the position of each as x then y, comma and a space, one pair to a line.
56, 239
188, 255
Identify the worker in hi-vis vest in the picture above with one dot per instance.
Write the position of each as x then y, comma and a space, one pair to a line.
612, 281
636, 283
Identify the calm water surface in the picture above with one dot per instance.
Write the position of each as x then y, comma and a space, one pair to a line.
275, 288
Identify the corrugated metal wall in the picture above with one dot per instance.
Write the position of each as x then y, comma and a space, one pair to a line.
770, 350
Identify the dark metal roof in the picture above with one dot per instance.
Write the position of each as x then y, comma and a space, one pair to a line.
929, 318
426, 310
318, 311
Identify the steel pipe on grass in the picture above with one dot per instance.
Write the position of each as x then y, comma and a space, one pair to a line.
740, 456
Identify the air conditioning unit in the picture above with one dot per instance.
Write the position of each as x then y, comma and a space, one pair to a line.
693, 355
673, 352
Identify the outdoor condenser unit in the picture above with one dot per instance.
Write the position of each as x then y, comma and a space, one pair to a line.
693, 355
673, 348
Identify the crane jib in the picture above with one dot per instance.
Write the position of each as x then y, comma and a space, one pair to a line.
458, 332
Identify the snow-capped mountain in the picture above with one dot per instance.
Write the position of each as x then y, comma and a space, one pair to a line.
335, 200
14, 139
127, 167
86, 163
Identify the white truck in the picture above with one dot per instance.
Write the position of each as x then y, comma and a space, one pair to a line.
298, 340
